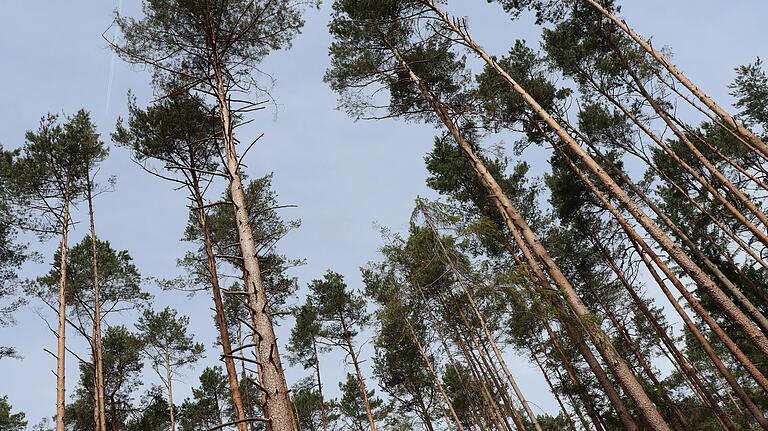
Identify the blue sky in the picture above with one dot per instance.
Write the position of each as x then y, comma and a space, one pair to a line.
345, 177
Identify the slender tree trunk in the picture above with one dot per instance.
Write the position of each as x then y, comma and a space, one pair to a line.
683, 365
597, 420
323, 415
481, 320
644, 365
733, 191
474, 364
695, 174
756, 314
358, 372
98, 361
437, 324
169, 379
277, 404
213, 276
61, 344
432, 371
515, 221
706, 100
554, 392
740, 392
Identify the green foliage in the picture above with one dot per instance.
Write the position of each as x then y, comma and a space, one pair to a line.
210, 404
119, 283
153, 414
233, 35
398, 365
178, 131
10, 421
502, 108
309, 406
366, 36
351, 407
167, 342
302, 345
451, 174
268, 228
52, 167
750, 88
123, 365
341, 313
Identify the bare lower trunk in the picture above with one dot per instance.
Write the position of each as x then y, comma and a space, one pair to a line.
359, 373
277, 404
98, 361
677, 357
597, 420
226, 344
646, 253
169, 378
486, 332
731, 310
323, 415
555, 393
61, 343
432, 371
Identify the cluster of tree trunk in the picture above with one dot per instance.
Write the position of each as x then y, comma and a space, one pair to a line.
555, 271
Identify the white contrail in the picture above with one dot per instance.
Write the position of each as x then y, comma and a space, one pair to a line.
112, 63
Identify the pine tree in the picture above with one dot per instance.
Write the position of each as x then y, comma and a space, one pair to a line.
50, 173
169, 347
213, 47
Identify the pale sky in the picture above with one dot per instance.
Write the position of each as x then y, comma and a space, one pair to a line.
344, 176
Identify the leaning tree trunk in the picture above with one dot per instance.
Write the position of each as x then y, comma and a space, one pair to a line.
484, 327
515, 221
734, 191
753, 140
432, 371
436, 322
646, 252
752, 332
61, 342
98, 361
226, 343
277, 403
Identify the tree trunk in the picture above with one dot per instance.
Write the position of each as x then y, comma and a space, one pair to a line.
432, 371
169, 379
277, 403
226, 343
647, 252
359, 373
515, 221
732, 189
61, 344
683, 365
98, 361
597, 420
436, 322
486, 332
554, 391
320, 386
719, 111
731, 310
